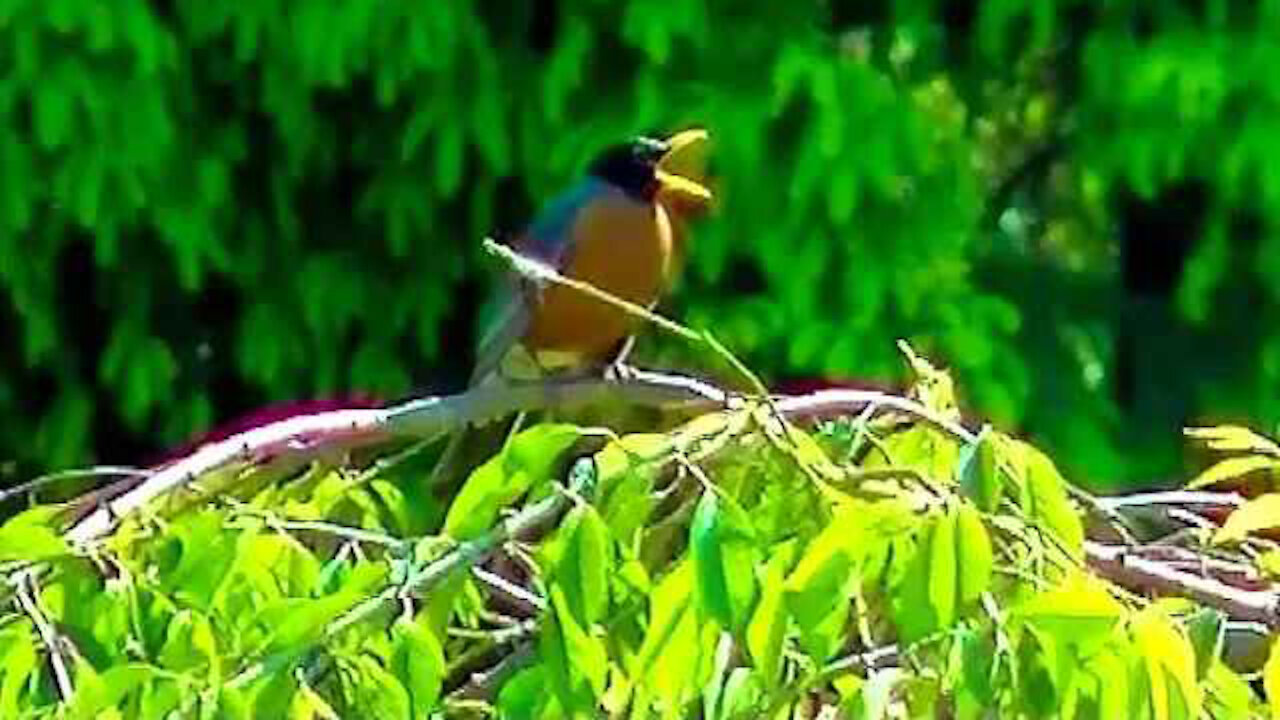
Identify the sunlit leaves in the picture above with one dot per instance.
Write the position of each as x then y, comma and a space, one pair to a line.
1271, 680
525, 461
768, 626
1080, 612
949, 572
678, 645
1041, 493
817, 592
1253, 453
1260, 513
31, 535
419, 664
1171, 667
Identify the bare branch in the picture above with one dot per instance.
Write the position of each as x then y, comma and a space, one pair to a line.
1123, 567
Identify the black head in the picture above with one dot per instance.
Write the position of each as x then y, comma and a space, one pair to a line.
631, 166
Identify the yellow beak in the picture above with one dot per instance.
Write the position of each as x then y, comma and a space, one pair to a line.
682, 171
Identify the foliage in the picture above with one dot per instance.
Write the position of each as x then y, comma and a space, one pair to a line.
205, 206
734, 566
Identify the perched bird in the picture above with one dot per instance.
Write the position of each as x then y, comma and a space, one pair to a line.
618, 229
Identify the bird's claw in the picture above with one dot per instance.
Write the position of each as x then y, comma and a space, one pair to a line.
620, 372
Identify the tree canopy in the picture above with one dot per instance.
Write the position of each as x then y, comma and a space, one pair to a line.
205, 207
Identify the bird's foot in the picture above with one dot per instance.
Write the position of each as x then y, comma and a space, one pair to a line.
621, 372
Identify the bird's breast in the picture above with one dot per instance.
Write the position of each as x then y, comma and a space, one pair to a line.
620, 246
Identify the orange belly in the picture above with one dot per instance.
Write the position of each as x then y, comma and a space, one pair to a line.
620, 246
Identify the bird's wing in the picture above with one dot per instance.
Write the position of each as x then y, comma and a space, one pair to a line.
546, 240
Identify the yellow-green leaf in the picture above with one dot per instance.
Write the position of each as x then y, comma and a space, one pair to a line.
973, 554
528, 458
1043, 493
308, 705
768, 624
31, 535
1271, 680
581, 563
418, 662
1171, 666
1233, 438
1232, 468
1260, 513
817, 592
1078, 612
980, 479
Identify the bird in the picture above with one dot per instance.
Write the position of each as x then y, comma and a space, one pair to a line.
620, 229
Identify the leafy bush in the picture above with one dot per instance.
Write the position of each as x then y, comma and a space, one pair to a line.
886, 562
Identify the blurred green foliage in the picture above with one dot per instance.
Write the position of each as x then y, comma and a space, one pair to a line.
205, 206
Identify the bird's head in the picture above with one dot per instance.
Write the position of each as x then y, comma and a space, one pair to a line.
655, 170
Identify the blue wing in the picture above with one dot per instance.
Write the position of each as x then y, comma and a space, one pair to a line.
547, 239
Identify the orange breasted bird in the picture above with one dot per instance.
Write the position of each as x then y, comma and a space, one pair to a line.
619, 229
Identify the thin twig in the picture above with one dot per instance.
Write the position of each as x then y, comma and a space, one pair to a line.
529, 601
543, 273
484, 685
240, 511
24, 585
97, 471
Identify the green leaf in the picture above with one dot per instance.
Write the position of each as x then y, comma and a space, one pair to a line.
527, 460
1112, 674
292, 623
90, 698
924, 600
1079, 612
449, 149
31, 536
17, 664
577, 662
980, 479
1207, 630
207, 553
524, 696
676, 654
626, 485
306, 704
1171, 666
581, 559
742, 695
768, 626
418, 662
1228, 696
973, 554
1260, 513
977, 660
817, 593
190, 643
273, 697
378, 694
724, 559
943, 570
1043, 494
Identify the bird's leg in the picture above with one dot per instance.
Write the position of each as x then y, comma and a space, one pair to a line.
618, 370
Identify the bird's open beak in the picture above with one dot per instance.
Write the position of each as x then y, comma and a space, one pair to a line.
681, 171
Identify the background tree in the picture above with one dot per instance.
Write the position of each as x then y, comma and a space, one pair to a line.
205, 207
